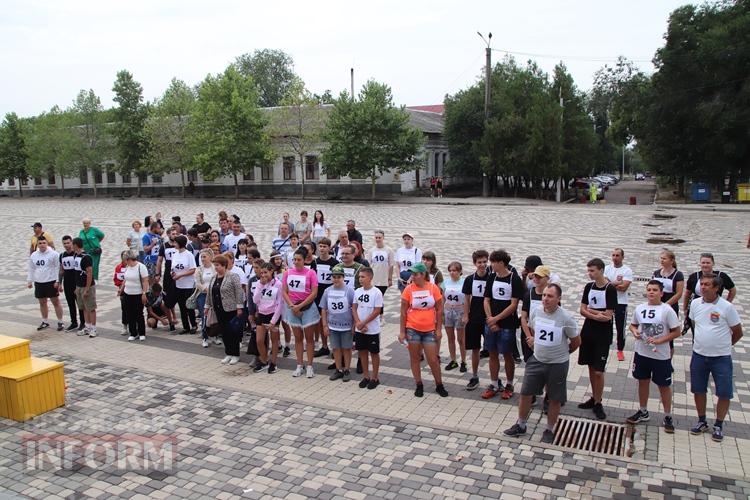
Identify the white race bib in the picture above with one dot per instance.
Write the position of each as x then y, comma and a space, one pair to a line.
349, 276
169, 253
667, 282
597, 299
454, 296
324, 274
547, 334
422, 299
379, 257
268, 295
337, 301
296, 283
477, 288
501, 290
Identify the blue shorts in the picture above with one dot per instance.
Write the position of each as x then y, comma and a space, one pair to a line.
720, 367
309, 317
658, 370
500, 341
339, 339
415, 337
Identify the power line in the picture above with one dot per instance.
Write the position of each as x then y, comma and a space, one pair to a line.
572, 58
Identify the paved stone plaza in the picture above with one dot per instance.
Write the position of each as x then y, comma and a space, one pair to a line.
239, 434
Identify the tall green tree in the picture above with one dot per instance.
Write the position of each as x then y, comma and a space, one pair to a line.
13, 154
166, 129
227, 132
369, 136
90, 145
129, 127
52, 144
271, 70
300, 124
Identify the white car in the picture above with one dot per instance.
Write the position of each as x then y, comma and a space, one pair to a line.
640, 176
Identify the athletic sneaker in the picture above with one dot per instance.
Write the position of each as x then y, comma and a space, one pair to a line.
205, 342
451, 366
184, 331
142, 338
473, 383
517, 359
668, 425
310, 372
131, 338
419, 391
507, 392
490, 392
599, 411
298, 371
82, 326
620, 356
234, 360
332, 366
60, 326
347, 376
194, 330
548, 436
364, 383
718, 434
373, 383
82, 332
217, 341
286, 352
124, 330
516, 430
484, 354
72, 327
440, 389
639, 416
42, 326
699, 428
588, 404
92, 333
226, 360
336, 375
463, 367
259, 367
323, 351
272, 368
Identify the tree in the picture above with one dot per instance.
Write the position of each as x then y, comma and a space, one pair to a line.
166, 129
52, 144
272, 71
369, 136
89, 146
300, 124
226, 131
324, 98
129, 127
13, 155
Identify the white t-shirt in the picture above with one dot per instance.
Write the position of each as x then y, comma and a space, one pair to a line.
381, 260
132, 276
654, 321
713, 321
231, 240
243, 279
452, 292
612, 272
319, 230
407, 257
181, 262
367, 301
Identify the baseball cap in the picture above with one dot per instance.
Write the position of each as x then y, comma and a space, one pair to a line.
36, 224
337, 271
419, 267
542, 271
532, 262
405, 235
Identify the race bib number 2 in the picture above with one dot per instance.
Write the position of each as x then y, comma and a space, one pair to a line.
422, 299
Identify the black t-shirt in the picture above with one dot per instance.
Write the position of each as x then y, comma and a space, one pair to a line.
216, 294
68, 263
354, 235
531, 296
204, 227
475, 286
694, 282
501, 291
166, 251
85, 262
602, 298
669, 282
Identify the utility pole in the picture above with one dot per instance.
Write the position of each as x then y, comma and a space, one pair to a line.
487, 73
558, 194
622, 176
352, 82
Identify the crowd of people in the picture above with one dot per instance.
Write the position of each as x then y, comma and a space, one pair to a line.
309, 296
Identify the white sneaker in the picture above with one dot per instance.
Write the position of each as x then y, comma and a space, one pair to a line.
131, 338
92, 334
217, 341
299, 371
234, 360
142, 338
226, 360
310, 372
83, 333
205, 343
124, 330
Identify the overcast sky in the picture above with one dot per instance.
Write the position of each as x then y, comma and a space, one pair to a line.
422, 49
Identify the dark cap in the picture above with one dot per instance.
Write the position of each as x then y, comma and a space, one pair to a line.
532, 262
37, 224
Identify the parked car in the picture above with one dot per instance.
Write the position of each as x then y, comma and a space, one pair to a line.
603, 179
582, 186
640, 176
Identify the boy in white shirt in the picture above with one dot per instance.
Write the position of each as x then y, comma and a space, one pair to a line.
368, 302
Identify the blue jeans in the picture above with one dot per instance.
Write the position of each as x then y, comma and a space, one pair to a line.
201, 304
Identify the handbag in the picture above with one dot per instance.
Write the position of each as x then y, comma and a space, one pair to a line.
192, 301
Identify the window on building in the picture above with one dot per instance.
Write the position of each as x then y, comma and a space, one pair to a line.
445, 160
249, 175
24, 181
126, 178
266, 172
143, 177
111, 179
84, 175
50, 176
98, 175
11, 182
192, 176
289, 168
312, 168
37, 181
156, 178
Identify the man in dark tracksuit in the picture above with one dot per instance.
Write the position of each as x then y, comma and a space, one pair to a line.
68, 279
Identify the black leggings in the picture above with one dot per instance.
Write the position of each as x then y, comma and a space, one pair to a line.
133, 309
382, 289
187, 315
124, 319
231, 339
70, 298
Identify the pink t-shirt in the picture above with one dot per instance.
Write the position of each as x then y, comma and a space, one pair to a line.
299, 283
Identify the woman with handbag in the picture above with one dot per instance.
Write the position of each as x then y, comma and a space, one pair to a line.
133, 288
92, 244
203, 275
224, 301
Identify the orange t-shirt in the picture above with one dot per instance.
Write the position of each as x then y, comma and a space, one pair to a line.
421, 313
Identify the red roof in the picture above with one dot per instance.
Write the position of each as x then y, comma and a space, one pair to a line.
432, 108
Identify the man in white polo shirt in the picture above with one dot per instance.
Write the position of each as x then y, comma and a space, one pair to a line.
621, 276
717, 328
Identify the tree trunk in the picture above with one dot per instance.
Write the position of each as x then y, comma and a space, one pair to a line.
138, 189
302, 169
93, 171
62, 186
182, 178
374, 178
236, 187
20, 188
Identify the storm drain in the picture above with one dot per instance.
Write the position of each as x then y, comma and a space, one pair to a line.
594, 436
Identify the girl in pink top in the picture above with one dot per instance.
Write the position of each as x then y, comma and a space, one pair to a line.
299, 289
267, 299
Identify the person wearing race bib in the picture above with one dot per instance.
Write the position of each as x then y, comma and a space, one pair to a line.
338, 322
368, 302
68, 263
501, 296
293, 246
421, 325
653, 325
717, 328
241, 256
531, 302
453, 315
183, 274
351, 268
474, 317
279, 266
85, 289
406, 257
693, 287
43, 275
133, 289
598, 308
299, 289
118, 278
232, 240
324, 265
553, 334
320, 228
268, 303
152, 242
672, 279
382, 261
621, 276
166, 252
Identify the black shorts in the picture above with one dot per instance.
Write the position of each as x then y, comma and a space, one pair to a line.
594, 349
265, 319
473, 337
365, 342
45, 290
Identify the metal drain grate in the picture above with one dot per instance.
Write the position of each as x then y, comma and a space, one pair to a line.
590, 435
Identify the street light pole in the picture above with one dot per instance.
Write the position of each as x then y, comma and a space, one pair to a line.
622, 175
487, 72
